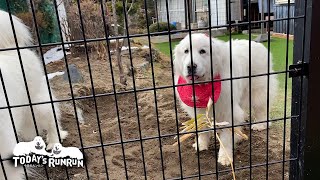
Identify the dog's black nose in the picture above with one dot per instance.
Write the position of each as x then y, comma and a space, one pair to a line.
192, 68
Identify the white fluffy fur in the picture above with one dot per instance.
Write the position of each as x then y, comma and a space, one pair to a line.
15, 87
221, 65
7, 38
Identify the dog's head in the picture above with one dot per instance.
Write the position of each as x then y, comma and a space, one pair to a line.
39, 143
200, 67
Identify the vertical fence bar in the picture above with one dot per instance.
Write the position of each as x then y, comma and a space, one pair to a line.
193, 90
92, 87
213, 104
250, 86
231, 79
312, 124
298, 88
46, 72
135, 92
186, 12
154, 91
157, 14
70, 83
285, 93
24, 76
309, 148
268, 91
106, 30
12, 120
173, 88
22, 66
217, 12
44, 68
1, 163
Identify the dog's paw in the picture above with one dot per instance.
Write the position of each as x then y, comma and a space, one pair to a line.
63, 134
52, 138
50, 146
260, 127
202, 146
223, 158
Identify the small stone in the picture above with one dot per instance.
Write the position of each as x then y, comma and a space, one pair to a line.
75, 75
261, 38
155, 55
144, 66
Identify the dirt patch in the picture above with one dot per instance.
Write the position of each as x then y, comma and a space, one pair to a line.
283, 36
150, 121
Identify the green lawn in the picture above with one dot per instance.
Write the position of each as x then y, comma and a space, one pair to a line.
278, 49
277, 46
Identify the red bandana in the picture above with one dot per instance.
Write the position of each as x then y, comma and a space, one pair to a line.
202, 91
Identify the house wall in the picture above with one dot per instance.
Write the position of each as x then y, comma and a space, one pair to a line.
200, 9
281, 11
176, 11
236, 10
218, 12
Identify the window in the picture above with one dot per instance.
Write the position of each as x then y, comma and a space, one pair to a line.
202, 6
283, 1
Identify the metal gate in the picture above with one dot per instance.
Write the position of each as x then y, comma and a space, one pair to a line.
304, 131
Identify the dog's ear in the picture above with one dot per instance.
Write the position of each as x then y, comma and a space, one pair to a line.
178, 51
208, 36
177, 55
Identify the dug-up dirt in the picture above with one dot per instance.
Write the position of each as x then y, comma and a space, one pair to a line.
146, 120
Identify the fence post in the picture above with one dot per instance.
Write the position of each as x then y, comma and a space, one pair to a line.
305, 130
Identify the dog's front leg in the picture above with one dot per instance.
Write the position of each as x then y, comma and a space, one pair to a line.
225, 154
203, 141
203, 137
46, 121
225, 151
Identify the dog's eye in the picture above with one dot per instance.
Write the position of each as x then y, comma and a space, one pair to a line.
186, 51
202, 51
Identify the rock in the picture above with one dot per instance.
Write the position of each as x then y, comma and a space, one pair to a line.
75, 75
261, 38
155, 55
144, 66
131, 71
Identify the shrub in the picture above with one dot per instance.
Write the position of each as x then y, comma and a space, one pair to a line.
163, 26
91, 17
92, 21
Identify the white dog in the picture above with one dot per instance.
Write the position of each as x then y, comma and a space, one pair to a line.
200, 70
17, 94
37, 146
59, 151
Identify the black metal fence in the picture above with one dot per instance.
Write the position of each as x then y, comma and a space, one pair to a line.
304, 141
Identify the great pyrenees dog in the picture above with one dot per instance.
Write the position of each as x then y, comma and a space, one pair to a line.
200, 70
17, 95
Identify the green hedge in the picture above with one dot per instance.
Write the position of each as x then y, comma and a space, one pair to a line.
163, 26
49, 33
